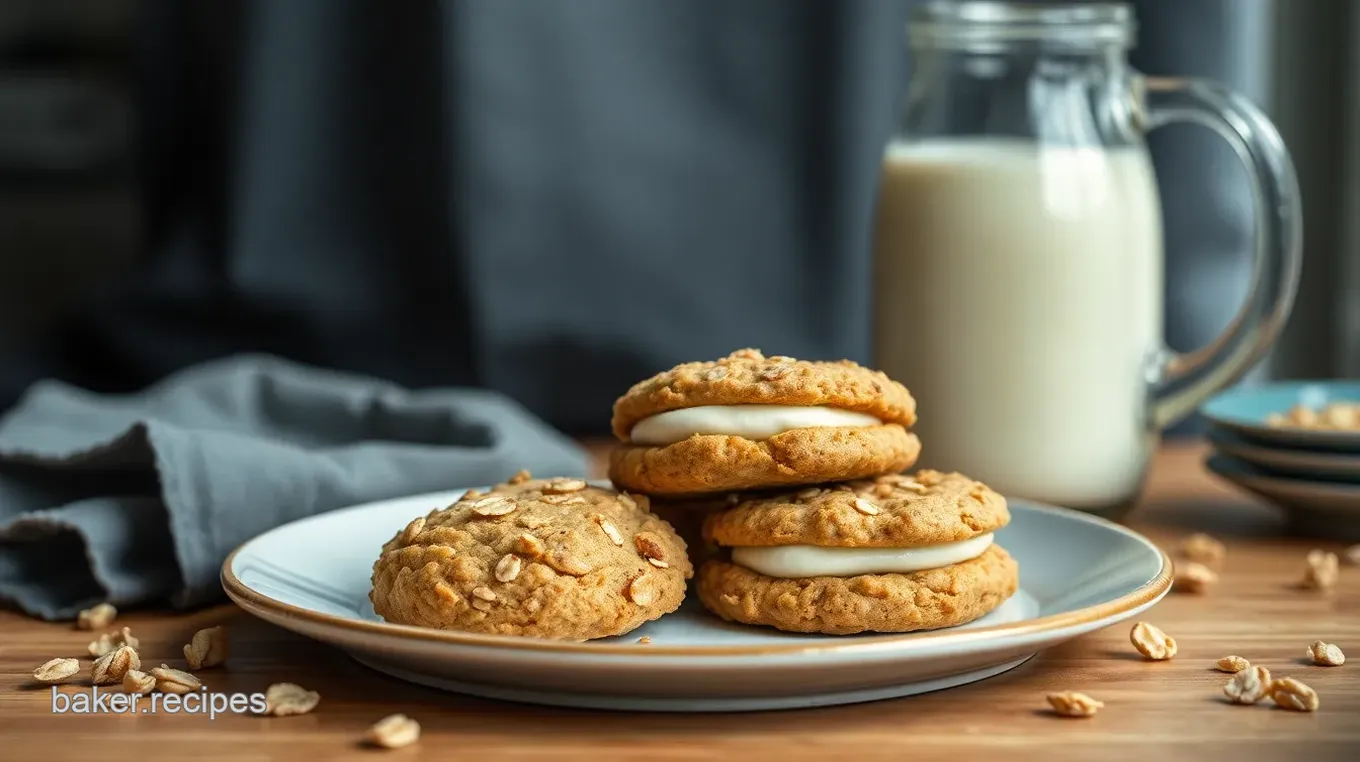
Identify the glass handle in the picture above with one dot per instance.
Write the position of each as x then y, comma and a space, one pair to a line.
1180, 382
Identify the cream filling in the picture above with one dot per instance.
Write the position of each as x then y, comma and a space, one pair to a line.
797, 561
746, 421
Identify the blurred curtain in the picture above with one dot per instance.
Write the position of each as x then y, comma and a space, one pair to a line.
1315, 99
554, 199
1300, 61
550, 199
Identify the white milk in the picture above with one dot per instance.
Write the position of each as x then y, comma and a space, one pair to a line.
1019, 297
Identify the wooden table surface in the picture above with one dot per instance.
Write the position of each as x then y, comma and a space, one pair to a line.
1154, 710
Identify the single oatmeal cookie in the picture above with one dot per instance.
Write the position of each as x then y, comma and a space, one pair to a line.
554, 558
748, 421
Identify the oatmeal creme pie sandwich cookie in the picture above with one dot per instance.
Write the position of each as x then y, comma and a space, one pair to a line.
894, 554
748, 421
554, 558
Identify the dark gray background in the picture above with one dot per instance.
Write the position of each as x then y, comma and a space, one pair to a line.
552, 199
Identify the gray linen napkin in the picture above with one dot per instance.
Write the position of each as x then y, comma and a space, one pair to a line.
137, 499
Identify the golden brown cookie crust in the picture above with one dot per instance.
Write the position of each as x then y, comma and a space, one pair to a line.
924, 600
705, 464
747, 377
893, 511
543, 558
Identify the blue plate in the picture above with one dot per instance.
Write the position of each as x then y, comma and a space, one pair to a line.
1243, 410
1322, 509
1289, 462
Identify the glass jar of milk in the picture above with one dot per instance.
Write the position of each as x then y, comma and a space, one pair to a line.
1018, 254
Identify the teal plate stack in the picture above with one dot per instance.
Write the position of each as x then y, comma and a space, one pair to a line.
1311, 473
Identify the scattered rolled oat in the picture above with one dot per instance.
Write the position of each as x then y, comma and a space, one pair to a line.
649, 547
97, 618
208, 648
1232, 664
110, 668
1335, 416
1074, 704
567, 563
1326, 654
103, 645
644, 640
1203, 549
865, 507
508, 568
394, 732
56, 670
1352, 555
1322, 570
642, 590
1292, 694
1151, 642
1195, 578
608, 528
136, 681
111, 640
496, 505
563, 486
1248, 686
521, 476
174, 680
284, 699
413, 530
529, 545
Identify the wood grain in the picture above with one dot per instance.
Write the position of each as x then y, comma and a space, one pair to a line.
1154, 711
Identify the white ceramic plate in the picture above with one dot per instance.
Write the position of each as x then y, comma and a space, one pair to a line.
1322, 508
1078, 573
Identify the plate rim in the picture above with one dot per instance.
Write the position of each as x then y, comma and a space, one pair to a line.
1333, 441
1145, 594
1255, 452
1252, 473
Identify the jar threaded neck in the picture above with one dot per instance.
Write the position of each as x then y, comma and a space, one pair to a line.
982, 24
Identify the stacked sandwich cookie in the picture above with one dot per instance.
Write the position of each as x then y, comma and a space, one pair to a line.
893, 554
818, 530
751, 422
